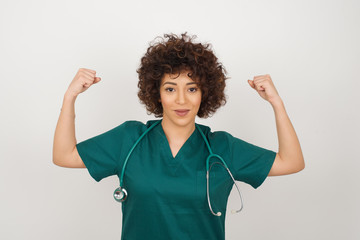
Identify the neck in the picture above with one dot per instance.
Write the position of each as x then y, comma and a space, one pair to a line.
175, 133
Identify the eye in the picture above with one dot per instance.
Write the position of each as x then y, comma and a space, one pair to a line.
193, 89
169, 89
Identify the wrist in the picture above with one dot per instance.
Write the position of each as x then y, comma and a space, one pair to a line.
70, 95
276, 102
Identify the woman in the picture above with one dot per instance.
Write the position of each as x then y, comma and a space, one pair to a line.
167, 196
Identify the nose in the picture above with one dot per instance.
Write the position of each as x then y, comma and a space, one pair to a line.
181, 98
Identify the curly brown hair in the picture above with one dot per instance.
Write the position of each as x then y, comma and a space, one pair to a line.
178, 54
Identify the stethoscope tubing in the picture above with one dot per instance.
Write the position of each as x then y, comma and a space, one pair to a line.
120, 194
208, 168
132, 149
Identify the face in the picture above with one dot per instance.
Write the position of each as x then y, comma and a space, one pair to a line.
180, 98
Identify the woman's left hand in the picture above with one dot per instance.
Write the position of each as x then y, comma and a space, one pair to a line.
265, 87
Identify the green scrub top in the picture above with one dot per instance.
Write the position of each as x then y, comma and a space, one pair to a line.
166, 195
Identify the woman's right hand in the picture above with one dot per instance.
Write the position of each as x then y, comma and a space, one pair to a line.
83, 79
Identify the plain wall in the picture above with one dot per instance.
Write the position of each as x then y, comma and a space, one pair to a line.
309, 48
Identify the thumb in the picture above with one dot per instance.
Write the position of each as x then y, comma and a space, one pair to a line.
97, 79
251, 83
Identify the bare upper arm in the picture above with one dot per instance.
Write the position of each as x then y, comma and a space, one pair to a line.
78, 162
72, 161
281, 167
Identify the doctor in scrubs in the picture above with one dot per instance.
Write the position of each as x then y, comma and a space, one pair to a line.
174, 190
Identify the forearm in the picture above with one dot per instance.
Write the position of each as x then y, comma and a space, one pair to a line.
64, 138
289, 145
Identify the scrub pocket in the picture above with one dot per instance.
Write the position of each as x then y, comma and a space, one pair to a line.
201, 182
220, 185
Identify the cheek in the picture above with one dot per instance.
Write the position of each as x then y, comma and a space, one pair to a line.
197, 101
165, 103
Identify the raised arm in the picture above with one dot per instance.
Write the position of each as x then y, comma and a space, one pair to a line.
65, 153
289, 158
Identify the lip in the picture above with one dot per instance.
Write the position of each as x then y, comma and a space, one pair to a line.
182, 112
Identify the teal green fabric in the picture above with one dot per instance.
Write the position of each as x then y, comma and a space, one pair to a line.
167, 195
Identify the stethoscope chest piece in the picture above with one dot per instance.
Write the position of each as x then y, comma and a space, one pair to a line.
120, 194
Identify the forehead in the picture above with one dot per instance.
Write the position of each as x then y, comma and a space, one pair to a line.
175, 77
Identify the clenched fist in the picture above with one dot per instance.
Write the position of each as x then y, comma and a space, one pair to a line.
83, 79
264, 85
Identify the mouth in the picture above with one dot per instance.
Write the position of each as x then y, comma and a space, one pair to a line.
181, 112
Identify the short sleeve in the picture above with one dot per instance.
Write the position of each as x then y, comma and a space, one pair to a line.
251, 163
100, 153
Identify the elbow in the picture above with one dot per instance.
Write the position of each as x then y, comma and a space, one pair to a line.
303, 165
300, 166
293, 165
57, 160
55, 157
60, 158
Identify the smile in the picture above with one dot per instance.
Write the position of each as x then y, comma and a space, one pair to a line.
181, 112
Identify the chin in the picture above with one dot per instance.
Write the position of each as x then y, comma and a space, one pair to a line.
183, 122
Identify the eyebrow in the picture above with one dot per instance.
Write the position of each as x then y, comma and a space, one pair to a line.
173, 83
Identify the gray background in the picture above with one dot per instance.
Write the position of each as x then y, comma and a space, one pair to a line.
309, 48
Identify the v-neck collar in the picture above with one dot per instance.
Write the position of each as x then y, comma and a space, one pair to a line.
174, 162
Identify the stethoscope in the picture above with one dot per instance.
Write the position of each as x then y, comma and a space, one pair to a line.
120, 194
